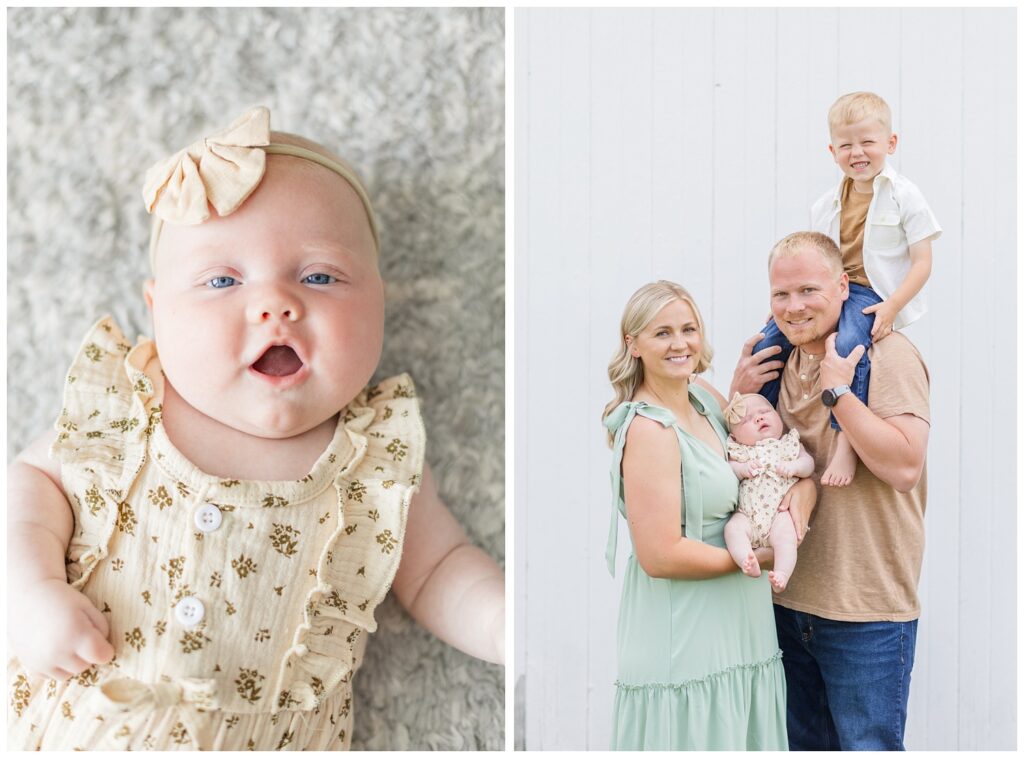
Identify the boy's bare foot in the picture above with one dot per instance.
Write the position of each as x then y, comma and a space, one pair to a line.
750, 566
841, 468
778, 581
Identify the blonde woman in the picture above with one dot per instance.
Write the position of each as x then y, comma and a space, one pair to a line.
699, 663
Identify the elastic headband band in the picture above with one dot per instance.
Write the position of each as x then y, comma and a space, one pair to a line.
222, 171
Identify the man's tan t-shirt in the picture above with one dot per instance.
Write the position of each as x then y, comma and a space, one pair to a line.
852, 221
861, 560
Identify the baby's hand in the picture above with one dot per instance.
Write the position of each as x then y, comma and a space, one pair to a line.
56, 631
752, 468
785, 468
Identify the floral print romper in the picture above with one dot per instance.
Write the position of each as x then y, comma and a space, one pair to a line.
238, 610
760, 495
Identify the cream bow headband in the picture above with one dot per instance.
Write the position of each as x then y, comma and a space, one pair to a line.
736, 409
223, 170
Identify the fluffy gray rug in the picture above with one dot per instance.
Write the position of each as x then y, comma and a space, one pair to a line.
415, 99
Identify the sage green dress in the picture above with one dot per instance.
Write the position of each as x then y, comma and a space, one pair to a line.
699, 663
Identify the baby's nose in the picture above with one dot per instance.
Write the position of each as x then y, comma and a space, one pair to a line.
274, 308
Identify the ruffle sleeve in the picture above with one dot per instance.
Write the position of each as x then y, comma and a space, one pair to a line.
101, 439
360, 559
790, 445
737, 451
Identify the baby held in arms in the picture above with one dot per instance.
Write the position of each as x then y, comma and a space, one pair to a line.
768, 461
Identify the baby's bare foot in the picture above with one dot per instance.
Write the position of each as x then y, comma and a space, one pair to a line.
750, 566
840, 469
778, 581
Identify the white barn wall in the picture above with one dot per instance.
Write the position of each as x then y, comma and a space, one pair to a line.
680, 144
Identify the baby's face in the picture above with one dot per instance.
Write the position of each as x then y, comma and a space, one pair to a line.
760, 422
270, 320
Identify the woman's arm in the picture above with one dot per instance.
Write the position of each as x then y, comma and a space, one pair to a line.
53, 629
651, 472
452, 588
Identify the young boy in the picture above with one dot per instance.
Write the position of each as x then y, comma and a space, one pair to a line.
884, 229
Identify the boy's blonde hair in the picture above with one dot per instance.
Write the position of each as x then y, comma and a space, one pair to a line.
625, 372
794, 243
851, 108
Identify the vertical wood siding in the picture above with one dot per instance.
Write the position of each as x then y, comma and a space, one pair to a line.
680, 144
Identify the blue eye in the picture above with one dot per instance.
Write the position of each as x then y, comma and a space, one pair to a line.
221, 282
319, 279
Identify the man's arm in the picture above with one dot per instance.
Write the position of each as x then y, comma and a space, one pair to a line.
892, 448
750, 373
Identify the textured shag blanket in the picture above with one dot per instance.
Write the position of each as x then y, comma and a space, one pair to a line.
415, 100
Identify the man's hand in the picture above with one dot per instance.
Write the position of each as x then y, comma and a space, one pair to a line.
800, 502
750, 374
837, 371
56, 631
885, 313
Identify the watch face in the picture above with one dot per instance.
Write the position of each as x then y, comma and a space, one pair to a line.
828, 397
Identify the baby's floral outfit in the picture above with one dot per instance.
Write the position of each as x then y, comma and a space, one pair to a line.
238, 610
760, 495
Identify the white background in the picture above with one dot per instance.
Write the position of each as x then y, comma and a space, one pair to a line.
680, 144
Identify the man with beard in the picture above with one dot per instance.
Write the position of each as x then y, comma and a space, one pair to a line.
847, 622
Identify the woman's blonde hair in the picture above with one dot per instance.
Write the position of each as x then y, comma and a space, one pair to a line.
625, 372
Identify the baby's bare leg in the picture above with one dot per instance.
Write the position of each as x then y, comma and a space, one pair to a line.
782, 538
839, 471
737, 541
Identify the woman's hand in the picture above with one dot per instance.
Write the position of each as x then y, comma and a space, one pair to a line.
800, 502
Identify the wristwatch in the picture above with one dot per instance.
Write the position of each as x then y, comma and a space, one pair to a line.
831, 397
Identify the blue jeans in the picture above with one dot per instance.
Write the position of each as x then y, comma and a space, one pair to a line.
847, 682
854, 329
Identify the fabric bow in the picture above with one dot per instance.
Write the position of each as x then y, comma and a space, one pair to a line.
222, 170
122, 695
736, 409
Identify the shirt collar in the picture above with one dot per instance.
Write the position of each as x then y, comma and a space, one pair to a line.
887, 172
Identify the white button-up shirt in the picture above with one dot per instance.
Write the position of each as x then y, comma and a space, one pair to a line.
898, 217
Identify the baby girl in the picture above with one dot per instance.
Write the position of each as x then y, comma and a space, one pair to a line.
767, 462
198, 548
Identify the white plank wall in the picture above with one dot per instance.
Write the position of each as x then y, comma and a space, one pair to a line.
680, 144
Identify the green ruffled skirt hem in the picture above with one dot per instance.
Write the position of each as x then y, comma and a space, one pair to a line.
742, 707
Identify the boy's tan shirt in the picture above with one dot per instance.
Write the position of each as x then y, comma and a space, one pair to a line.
861, 560
852, 222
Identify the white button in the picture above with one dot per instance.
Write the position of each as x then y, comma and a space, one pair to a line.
208, 517
804, 377
805, 397
189, 611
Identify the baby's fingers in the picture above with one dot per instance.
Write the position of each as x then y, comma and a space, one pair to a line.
93, 646
75, 665
96, 618
94, 649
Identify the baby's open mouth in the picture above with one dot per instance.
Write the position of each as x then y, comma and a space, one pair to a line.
279, 360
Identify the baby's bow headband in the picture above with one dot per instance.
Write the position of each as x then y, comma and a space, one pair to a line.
223, 170
736, 409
